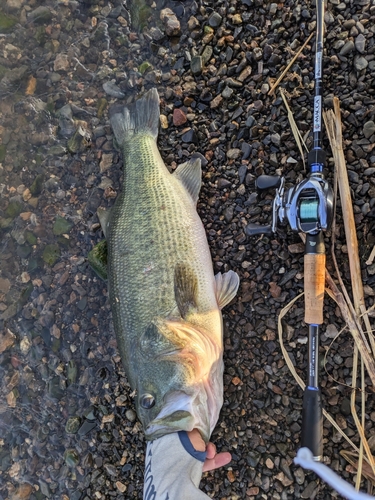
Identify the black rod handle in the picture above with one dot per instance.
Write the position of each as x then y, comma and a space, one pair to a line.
312, 422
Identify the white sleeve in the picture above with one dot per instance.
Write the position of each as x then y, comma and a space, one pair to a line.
173, 469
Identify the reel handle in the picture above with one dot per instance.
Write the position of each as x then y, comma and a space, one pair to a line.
264, 182
255, 229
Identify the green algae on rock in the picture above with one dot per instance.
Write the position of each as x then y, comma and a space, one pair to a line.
51, 254
6, 22
14, 209
61, 226
37, 185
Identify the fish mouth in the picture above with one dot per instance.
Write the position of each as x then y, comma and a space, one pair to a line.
183, 411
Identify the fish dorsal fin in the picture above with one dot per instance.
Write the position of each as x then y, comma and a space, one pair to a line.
226, 287
190, 176
103, 216
185, 288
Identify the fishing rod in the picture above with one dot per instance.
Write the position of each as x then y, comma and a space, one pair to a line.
308, 207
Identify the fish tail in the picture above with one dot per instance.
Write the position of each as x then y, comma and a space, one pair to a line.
142, 117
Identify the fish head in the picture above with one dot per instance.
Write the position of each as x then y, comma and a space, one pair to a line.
181, 386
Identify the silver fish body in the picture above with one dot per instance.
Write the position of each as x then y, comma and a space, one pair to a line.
164, 297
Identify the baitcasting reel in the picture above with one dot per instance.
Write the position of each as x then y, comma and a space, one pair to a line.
308, 206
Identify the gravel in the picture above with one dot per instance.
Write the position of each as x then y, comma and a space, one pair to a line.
68, 428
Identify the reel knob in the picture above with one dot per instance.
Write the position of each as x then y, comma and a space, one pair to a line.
255, 229
264, 182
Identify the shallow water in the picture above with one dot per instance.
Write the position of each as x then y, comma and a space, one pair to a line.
64, 403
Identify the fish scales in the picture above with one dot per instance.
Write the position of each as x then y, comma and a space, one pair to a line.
152, 228
164, 297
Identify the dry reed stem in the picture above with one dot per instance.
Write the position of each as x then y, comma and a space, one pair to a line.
296, 133
275, 85
352, 458
334, 130
370, 260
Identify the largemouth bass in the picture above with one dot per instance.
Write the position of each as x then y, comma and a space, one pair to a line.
164, 297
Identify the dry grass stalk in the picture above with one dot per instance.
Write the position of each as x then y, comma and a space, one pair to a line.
352, 458
370, 260
275, 85
334, 129
296, 133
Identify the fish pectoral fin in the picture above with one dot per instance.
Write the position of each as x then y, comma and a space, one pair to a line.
196, 349
190, 176
104, 216
185, 289
226, 287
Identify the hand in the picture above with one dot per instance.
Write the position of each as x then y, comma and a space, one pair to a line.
214, 460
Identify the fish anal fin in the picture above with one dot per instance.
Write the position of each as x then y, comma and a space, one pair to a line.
226, 287
190, 176
185, 289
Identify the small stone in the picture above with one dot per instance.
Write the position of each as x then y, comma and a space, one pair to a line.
227, 92
275, 139
228, 214
130, 415
273, 8
4, 285
193, 23
189, 136
259, 376
51, 254
111, 469
216, 101
275, 290
171, 23
40, 15
233, 154
113, 90
237, 19
258, 105
72, 425
223, 183
245, 73
61, 226
6, 340
71, 458
347, 48
360, 63
215, 20
196, 65
61, 63
207, 54
106, 162
299, 475
25, 346
368, 129
120, 486
360, 43
163, 122
179, 117
308, 491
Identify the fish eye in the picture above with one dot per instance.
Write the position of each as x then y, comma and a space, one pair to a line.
147, 401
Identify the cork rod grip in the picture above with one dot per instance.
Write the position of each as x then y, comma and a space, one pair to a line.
314, 270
